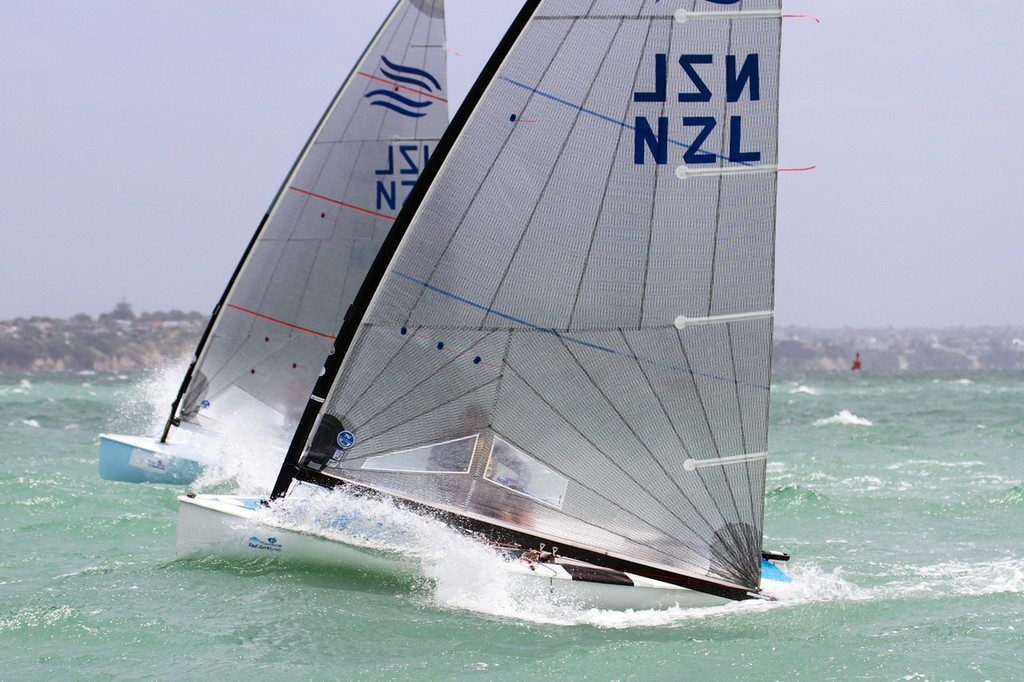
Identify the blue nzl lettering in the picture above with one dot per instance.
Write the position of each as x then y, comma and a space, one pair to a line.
736, 80
748, 77
408, 162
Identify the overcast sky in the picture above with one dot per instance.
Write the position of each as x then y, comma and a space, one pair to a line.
141, 142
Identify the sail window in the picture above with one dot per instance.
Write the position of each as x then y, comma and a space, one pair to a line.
452, 456
513, 469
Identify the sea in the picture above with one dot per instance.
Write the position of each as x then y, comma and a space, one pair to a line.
900, 498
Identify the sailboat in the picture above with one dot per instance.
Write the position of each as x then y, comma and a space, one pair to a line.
260, 355
564, 345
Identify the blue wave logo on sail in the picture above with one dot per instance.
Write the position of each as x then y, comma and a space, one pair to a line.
395, 101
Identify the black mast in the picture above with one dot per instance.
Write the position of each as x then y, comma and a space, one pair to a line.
376, 273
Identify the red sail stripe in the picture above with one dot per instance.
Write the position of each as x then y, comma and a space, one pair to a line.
341, 203
280, 322
398, 86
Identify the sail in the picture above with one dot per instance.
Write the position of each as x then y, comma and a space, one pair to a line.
271, 332
573, 337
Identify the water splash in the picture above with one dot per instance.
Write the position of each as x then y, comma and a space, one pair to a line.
146, 403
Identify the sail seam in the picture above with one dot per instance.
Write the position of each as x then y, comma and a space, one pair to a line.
611, 503
597, 219
639, 440
547, 180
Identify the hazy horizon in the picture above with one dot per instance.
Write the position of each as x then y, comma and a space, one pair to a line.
144, 141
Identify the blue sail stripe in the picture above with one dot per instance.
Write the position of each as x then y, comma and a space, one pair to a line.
410, 70
569, 339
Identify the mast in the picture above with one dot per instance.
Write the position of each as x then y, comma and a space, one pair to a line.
173, 419
361, 303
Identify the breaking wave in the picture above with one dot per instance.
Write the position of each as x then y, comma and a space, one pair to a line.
845, 417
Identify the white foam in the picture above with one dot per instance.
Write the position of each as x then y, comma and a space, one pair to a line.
811, 584
30, 422
845, 417
250, 458
807, 390
961, 578
146, 403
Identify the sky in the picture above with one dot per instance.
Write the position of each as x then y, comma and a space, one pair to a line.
141, 142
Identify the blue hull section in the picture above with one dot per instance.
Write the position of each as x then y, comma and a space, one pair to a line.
770, 571
139, 461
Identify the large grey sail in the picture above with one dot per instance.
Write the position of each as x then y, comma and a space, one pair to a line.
573, 338
276, 325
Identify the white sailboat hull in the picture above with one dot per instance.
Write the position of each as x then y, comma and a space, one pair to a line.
228, 526
135, 459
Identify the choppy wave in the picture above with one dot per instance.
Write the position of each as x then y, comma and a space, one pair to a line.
1014, 497
40, 617
846, 418
794, 497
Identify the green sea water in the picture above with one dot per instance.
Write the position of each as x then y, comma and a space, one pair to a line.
900, 498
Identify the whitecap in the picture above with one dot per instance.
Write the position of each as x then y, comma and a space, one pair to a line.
844, 417
30, 422
807, 390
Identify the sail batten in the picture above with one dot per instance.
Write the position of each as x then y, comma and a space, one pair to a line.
598, 329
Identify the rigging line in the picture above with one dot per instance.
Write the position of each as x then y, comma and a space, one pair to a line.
657, 502
397, 86
566, 337
277, 321
341, 203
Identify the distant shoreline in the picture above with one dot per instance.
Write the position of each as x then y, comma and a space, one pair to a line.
123, 341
